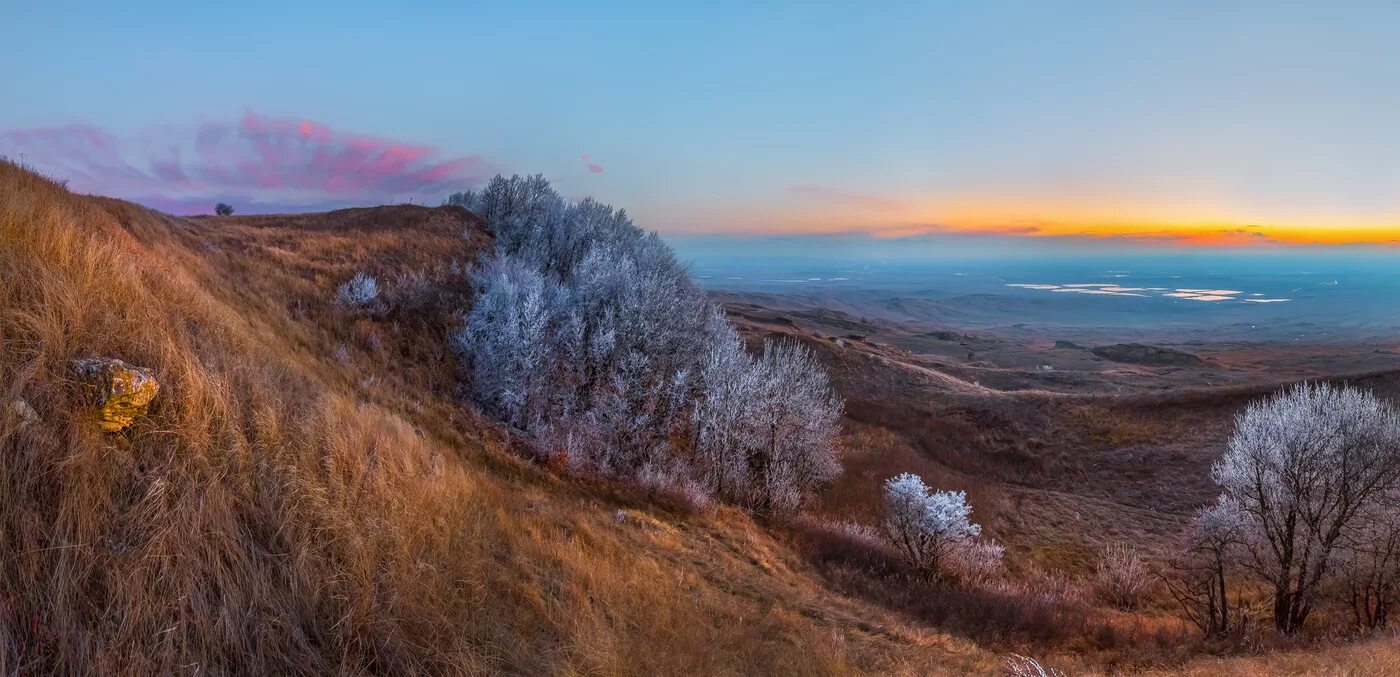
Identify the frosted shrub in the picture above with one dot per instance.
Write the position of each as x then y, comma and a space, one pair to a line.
359, 291
676, 481
412, 292
924, 525
860, 533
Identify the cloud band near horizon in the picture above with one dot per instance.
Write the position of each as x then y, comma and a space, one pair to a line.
258, 163
261, 163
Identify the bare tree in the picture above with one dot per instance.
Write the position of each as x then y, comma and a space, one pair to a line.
1303, 464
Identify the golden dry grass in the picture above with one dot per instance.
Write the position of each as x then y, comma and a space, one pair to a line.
279, 512
308, 495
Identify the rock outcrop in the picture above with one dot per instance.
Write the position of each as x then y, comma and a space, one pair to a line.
1137, 353
120, 392
946, 336
22, 413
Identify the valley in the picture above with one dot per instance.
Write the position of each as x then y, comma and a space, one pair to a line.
1063, 449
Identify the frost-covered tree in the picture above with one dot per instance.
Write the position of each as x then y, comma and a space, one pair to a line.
764, 427
796, 416
466, 198
1368, 566
508, 337
725, 430
1303, 465
590, 336
519, 212
923, 524
644, 328
1201, 562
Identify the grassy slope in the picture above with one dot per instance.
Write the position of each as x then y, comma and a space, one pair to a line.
292, 506
285, 508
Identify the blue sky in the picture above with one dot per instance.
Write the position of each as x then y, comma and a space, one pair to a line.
1199, 122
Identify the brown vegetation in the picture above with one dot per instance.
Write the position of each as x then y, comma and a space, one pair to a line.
1061, 479
288, 506
308, 494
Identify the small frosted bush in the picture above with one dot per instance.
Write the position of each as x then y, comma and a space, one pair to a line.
359, 291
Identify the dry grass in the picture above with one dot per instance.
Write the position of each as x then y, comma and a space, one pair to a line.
1055, 477
282, 509
1379, 656
308, 495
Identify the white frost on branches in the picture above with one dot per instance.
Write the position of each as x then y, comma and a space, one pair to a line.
923, 524
1304, 466
589, 335
359, 291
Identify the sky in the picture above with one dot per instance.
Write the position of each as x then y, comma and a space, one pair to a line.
1159, 124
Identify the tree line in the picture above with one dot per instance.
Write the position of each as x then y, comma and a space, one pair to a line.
591, 337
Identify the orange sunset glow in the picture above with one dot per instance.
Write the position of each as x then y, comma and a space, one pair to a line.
992, 217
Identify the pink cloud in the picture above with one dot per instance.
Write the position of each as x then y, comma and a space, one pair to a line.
847, 198
588, 162
265, 163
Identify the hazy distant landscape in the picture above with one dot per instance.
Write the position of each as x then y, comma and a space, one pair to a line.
1309, 296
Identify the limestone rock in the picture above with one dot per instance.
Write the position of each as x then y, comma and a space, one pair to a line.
121, 392
23, 413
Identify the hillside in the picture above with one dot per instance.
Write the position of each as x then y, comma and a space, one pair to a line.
1058, 466
310, 493
1042, 452
306, 493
